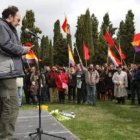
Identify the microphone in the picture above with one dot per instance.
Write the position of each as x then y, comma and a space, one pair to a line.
32, 33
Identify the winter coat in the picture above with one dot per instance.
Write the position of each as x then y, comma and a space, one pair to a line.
60, 79
10, 52
52, 78
120, 84
91, 77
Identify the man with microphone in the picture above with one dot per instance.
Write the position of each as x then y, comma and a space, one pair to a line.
10, 68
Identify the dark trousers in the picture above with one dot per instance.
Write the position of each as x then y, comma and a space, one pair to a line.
27, 94
135, 91
34, 99
71, 93
61, 97
121, 100
81, 95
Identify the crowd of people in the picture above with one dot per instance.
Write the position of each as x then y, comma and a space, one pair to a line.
52, 84
82, 85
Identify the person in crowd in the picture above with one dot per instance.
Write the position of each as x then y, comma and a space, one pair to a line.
99, 70
72, 84
133, 70
61, 84
52, 84
109, 82
80, 84
34, 88
19, 82
91, 78
125, 68
10, 68
46, 73
137, 86
42, 91
27, 84
103, 84
120, 84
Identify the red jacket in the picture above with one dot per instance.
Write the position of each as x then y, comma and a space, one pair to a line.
52, 78
61, 78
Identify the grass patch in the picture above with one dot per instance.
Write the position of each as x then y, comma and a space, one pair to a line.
106, 121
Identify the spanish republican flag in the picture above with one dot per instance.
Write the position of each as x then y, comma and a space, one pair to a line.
65, 25
30, 57
71, 59
112, 57
122, 55
86, 52
136, 42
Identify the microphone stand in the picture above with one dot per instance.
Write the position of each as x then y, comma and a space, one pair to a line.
39, 131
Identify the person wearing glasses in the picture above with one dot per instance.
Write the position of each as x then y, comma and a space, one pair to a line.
10, 68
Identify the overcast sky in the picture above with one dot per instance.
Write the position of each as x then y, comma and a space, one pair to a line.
48, 11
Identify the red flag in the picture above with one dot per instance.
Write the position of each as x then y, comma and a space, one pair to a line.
122, 55
65, 25
86, 52
109, 40
136, 37
28, 44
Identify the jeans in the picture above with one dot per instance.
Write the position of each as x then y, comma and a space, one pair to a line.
20, 90
91, 94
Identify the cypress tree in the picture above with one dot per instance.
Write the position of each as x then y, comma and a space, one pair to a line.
59, 46
125, 36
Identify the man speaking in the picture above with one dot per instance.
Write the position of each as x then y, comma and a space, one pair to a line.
10, 68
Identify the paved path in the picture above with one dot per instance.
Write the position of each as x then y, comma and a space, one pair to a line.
28, 122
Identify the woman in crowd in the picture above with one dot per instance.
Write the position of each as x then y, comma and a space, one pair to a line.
61, 84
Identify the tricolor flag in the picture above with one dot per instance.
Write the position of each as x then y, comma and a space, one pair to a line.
30, 57
136, 42
71, 59
112, 57
65, 25
122, 55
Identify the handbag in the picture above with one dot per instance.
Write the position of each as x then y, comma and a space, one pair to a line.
64, 85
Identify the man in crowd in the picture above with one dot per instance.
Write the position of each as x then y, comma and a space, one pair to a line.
80, 84
91, 78
10, 69
136, 83
120, 84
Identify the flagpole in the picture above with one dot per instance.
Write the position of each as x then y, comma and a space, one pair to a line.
119, 50
120, 56
107, 56
134, 58
122, 60
28, 65
78, 54
68, 58
68, 33
86, 63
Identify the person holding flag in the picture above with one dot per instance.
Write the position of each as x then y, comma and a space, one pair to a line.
91, 78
